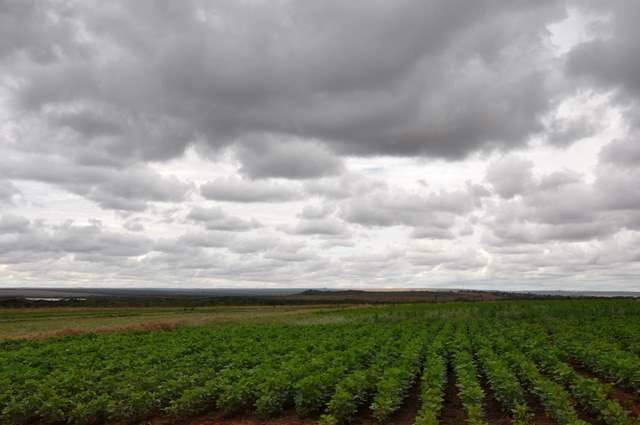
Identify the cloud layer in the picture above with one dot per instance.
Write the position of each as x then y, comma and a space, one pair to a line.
363, 143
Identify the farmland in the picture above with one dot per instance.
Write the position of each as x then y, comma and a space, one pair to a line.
509, 362
36, 323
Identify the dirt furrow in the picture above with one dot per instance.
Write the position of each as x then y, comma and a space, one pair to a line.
452, 409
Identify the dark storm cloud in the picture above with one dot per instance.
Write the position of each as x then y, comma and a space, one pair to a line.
143, 80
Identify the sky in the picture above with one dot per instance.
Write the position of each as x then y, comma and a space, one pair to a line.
335, 144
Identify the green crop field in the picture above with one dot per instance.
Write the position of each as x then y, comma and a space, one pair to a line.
508, 362
39, 323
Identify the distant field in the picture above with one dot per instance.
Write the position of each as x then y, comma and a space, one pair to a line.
566, 362
136, 297
49, 322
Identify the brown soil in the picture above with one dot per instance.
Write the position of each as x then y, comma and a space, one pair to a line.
289, 418
493, 410
628, 401
404, 416
286, 420
408, 412
586, 416
539, 416
452, 409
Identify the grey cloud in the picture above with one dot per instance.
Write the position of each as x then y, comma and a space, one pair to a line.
368, 215
563, 206
8, 192
320, 226
245, 242
189, 241
396, 207
558, 179
567, 213
93, 240
622, 152
292, 252
510, 176
567, 203
135, 186
540, 233
567, 131
13, 224
216, 219
343, 186
431, 232
70, 238
233, 189
316, 211
252, 243
300, 256
337, 242
611, 58
412, 78
134, 225
618, 189
36, 28
96, 99
89, 123
458, 259
126, 189
287, 159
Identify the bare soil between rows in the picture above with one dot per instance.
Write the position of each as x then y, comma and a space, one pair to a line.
539, 416
404, 416
452, 409
494, 413
629, 401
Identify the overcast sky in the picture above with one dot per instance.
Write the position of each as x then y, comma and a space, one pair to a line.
291, 143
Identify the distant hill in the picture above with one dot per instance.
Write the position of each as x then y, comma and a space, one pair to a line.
403, 296
106, 297
589, 293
